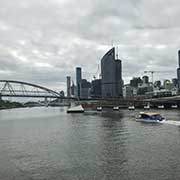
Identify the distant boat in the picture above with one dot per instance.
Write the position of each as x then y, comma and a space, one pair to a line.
147, 107
149, 117
161, 107
174, 106
131, 107
76, 109
99, 108
116, 108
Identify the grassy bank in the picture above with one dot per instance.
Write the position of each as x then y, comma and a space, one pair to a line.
9, 105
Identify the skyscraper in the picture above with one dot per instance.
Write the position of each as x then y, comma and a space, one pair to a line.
178, 70
68, 78
145, 79
73, 89
85, 89
78, 80
175, 82
111, 71
96, 88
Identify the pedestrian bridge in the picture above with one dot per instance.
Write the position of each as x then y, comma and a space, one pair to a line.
10, 88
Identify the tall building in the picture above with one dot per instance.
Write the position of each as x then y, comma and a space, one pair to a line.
157, 84
178, 70
68, 78
167, 84
78, 81
85, 89
111, 72
145, 79
61, 93
175, 82
179, 58
127, 91
96, 88
73, 89
136, 81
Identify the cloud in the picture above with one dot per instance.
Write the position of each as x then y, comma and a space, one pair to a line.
42, 42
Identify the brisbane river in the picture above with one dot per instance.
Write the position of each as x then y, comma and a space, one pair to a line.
46, 143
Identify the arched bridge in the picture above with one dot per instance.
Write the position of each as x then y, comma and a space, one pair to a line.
10, 88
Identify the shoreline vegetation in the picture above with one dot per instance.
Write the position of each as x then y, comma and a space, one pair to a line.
9, 105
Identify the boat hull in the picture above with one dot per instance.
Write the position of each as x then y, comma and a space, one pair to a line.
150, 117
99, 108
150, 120
161, 107
146, 107
71, 111
174, 106
131, 107
76, 109
115, 108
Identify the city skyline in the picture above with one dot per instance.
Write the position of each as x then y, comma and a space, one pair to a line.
43, 42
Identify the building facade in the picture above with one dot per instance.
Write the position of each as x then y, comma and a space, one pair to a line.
145, 79
78, 81
127, 91
111, 72
136, 81
96, 88
68, 81
175, 82
73, 89
178, 70
85, 89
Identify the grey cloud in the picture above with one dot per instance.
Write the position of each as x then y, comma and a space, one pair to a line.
66, 34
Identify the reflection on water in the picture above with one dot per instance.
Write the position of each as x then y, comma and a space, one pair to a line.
47, 143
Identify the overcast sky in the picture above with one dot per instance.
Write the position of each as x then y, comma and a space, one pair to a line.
42, 41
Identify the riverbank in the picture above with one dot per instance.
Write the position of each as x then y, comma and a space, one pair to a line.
10, 105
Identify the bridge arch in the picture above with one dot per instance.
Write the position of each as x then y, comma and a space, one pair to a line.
11, 88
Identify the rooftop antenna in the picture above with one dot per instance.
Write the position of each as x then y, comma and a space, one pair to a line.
117, 52
112, 43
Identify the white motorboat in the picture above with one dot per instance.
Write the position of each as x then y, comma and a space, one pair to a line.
116, 108
150, 117
99, 108
174, 106
147, 107
76, 109
161, 107
131, 107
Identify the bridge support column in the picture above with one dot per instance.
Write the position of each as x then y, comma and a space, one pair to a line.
45, 100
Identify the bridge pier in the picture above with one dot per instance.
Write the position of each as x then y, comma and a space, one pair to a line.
45, 100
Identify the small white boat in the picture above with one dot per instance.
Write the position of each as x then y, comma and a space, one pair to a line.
116, 108
161, 107
76, 109
131, 107
150, 117
147, 107
174, 106
99, 108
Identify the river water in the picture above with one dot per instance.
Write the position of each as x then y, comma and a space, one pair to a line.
48, 144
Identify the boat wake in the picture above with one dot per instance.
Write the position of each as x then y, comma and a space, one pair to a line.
175, 123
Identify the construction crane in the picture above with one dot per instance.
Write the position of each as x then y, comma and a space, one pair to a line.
94, 77
152, 75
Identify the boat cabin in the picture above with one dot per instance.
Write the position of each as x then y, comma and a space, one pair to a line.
151, 116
